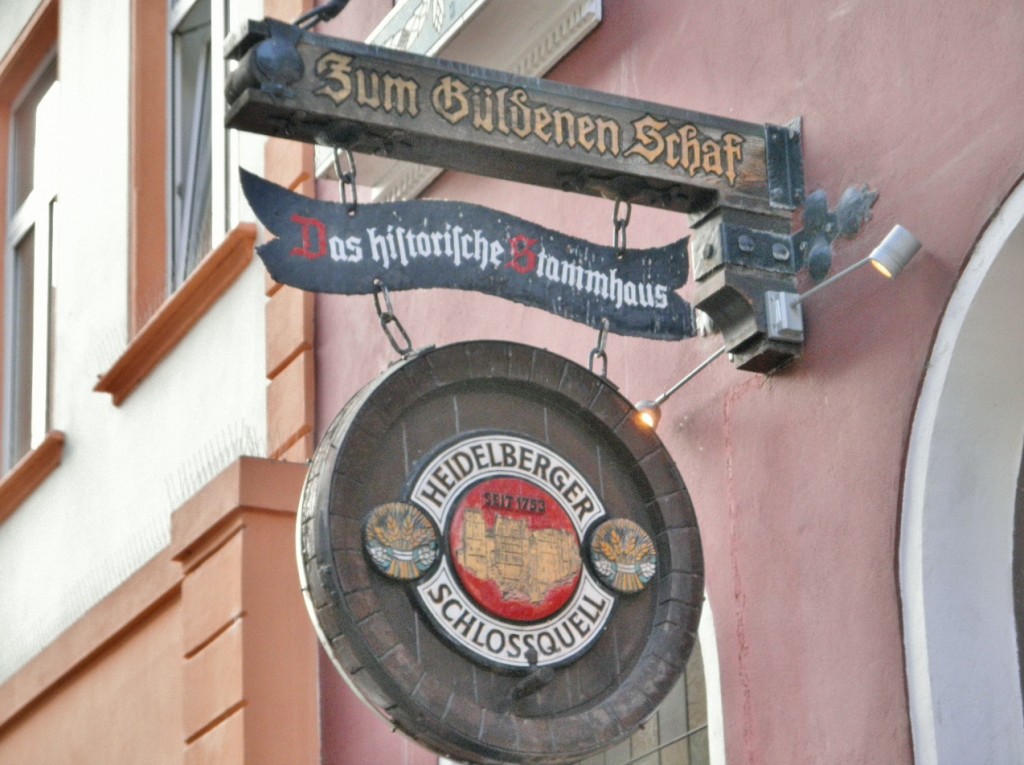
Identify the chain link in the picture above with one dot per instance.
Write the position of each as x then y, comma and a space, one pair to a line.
346, 179
621, 222
598, 352
387, 317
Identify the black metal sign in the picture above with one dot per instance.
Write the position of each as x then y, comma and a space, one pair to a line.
321, 247
339, 93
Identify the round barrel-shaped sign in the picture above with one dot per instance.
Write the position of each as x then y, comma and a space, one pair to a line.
499, 556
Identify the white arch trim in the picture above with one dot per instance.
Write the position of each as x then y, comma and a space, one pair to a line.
712, 684
956, 546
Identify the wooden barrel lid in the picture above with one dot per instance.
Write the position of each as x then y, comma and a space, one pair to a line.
499, 557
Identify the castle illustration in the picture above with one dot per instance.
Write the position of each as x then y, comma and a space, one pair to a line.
524, 563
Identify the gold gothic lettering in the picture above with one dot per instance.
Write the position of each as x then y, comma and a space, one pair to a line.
685, 147
381, 92
511, 112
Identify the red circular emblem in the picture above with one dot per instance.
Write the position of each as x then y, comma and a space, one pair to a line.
515, 549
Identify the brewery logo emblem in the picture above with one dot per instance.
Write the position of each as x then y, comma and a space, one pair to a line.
514, 549
400, 540
512, 578
623, 555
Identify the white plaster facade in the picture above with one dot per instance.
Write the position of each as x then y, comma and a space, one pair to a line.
106, 509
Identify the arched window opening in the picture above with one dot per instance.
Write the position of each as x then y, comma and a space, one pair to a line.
961, 517
677, 734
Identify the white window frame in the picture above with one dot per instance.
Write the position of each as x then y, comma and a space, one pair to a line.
216, 152
37, 214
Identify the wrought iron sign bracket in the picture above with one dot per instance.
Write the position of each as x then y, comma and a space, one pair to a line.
746, 264
821, 226
785, 165
736, 259
738, 182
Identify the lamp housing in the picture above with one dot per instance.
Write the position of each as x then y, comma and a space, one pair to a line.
896, 250
649, 413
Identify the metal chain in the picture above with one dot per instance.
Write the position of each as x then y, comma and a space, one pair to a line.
620, 222
599, 352
387, 317
346, 179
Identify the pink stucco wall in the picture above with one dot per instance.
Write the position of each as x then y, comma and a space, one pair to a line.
795, 478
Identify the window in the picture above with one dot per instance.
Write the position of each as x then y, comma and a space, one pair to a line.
191, 127
186, 246
28, 253
677, 734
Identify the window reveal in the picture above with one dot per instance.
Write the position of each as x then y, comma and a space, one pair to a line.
191, 165
29, 246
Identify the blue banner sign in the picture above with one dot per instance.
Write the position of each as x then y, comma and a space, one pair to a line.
423, 244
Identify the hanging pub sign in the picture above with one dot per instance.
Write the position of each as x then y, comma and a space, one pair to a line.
738, 181
323, 247
339, 93
499, 557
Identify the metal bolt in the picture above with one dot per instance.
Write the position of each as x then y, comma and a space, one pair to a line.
709, 252
780, 251
746, 243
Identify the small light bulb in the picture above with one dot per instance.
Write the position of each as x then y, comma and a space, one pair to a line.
882, 269
649, 413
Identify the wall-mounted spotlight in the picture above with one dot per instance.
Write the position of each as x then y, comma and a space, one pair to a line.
649, 411
785, 314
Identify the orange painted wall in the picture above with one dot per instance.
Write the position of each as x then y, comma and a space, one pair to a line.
124, 706
205, 656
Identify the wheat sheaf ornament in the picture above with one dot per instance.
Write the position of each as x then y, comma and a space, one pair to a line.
623, 555
400, 540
